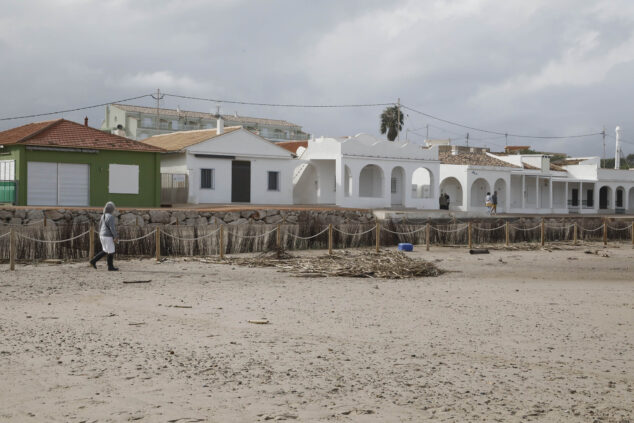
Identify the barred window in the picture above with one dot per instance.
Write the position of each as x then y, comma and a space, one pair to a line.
207, 179
274, 181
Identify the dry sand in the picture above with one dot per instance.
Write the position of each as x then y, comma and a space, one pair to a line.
512, 336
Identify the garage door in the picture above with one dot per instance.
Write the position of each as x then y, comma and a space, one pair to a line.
61, 184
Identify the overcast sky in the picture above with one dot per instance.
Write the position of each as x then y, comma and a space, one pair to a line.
552, 67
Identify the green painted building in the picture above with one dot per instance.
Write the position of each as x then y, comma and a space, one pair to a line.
63, 163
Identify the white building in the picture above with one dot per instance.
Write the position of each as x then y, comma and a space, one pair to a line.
365, 172
531, 184
140, 122
227, 165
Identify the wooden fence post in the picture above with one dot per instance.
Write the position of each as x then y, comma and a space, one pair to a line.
605, 231
574, 234
506, 232
91, 237
427, 235
632, 233
542, 232
45, 220
157, 241
469, 235
378, 235
330, 238
221, 246
278, 236
12, 249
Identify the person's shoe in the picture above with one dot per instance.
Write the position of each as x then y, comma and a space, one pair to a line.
111, 264
96, 258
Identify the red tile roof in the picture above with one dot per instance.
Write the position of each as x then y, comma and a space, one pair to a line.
292, 146
66, 134
473, 159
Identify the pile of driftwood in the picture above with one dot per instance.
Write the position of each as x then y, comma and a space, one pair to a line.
354, 264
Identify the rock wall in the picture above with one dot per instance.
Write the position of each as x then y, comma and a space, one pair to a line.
140, 217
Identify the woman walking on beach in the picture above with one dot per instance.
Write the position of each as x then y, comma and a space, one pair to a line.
108, 236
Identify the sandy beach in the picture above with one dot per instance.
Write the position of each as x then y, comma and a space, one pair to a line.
509, 336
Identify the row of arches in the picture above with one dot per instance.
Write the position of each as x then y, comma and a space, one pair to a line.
478, 190
314, 183
615, 199
372, 183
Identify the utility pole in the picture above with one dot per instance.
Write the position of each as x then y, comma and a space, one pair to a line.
604, 157
467, 139
158, 100
398, 119
617, 153
427, 131
506, 140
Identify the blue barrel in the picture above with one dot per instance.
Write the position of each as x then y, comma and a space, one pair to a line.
405, 246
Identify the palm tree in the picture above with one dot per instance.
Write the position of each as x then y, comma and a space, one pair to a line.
391, 122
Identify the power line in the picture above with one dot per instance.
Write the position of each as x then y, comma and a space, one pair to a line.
248, 103
75, 109
498, 132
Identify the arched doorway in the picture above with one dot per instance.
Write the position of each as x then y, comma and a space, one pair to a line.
500, 188
630, 199
305, 184
396, 186
479, 189
422, 183
604, 197
371, 182
451, 186
619, 198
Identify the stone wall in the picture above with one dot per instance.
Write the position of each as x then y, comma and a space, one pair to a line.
140, 217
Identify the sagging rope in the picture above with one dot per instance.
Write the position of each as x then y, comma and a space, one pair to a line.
252, 236
625, 228
53, 241
591, 230
191, 239
400, 233
524, 229
307, 237
450, 230
488, 229
354, 233
139, 238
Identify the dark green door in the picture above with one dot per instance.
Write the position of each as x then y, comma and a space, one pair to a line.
240, 181
7, 192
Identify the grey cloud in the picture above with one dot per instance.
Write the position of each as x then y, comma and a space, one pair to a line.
436, 56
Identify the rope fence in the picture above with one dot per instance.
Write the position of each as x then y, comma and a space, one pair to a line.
33, 243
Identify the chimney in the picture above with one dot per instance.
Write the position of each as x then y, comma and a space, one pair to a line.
617, 153
220, 126
86, 121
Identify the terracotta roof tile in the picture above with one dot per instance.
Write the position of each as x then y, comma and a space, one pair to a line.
474, 159
176, 141
530, 167
66, 134
292, 146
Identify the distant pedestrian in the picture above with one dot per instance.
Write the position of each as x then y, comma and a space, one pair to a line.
108, 237
442, 203
447, 200
488, 202
494, 200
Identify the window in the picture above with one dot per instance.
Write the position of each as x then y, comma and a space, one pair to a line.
207, 178
123, 179
274, 181
146, 122
7, 170
394, 182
